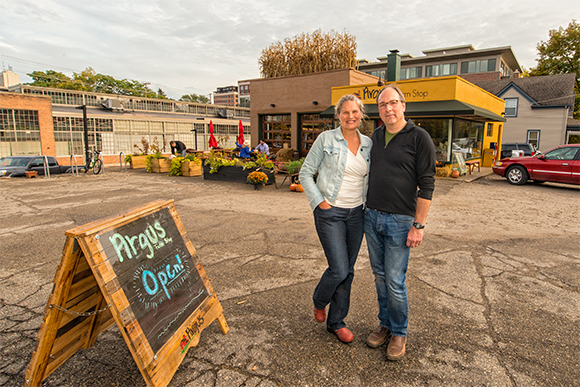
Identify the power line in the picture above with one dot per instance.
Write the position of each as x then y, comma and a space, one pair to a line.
159, 85
32, 62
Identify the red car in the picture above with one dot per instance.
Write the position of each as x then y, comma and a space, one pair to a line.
560, 165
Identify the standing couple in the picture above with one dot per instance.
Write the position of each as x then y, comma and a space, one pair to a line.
380, 187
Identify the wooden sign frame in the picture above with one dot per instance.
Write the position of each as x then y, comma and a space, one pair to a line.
91, 293
460, 162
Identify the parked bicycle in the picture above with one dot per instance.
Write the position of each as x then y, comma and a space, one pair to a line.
94, 162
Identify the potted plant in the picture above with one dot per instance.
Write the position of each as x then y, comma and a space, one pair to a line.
294, 166
185, 166
139, 159
257, 179
157, 163
237, 170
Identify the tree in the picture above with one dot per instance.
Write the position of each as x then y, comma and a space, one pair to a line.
198, 98
89, 80
561, 55
309, 53
50, 78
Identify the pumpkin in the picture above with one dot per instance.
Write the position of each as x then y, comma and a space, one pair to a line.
293, 187
299, 188
455, 173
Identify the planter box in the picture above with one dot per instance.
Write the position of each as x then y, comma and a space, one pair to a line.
160, 165
138, 162
235, 174
189, 168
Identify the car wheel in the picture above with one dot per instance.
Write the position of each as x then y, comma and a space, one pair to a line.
517, 175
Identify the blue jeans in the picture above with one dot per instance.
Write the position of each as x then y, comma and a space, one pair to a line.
386, 236
340, 231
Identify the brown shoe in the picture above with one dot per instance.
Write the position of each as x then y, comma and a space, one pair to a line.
378, 337
396, 348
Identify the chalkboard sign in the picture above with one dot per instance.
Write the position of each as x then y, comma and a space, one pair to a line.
139, 270
156, 272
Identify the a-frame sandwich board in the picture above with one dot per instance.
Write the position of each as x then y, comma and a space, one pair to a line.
140, 271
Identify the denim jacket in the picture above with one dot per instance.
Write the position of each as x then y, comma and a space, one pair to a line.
328, 157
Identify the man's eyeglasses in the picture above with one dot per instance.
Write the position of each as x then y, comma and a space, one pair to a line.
392, 104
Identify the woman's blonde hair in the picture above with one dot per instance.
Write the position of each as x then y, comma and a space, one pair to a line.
347, 98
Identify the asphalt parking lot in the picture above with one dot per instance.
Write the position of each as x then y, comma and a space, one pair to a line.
494, 289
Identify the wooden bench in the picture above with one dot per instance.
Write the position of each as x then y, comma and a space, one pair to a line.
471, 164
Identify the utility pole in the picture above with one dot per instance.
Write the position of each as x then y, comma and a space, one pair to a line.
85, 132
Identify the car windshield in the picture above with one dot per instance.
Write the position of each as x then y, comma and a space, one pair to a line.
14, 161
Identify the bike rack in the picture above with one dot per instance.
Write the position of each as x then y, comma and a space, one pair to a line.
103, 163
46, 167
75, 166
122, 162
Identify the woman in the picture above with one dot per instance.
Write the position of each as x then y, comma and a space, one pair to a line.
341, 157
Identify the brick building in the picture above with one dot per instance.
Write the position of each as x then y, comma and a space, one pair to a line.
226, 96
40, 120
26, 125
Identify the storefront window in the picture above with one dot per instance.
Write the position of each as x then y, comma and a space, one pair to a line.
311, 126
438, 129
467, 138
276, 131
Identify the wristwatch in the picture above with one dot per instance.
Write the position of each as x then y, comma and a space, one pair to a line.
418, 226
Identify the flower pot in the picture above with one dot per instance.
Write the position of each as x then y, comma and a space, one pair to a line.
258, 187
160, 165
189, 168
234, 174
138, 162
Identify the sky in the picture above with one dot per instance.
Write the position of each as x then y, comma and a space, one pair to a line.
193, 46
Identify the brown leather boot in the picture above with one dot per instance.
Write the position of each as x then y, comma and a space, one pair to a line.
378, 337
396, 348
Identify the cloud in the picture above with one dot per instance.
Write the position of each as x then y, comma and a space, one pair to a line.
194, 46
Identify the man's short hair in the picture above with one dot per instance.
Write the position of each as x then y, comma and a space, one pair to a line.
394, 87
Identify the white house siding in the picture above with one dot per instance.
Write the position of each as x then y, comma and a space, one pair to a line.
551, 122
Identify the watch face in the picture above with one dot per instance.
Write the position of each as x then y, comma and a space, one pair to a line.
418, 225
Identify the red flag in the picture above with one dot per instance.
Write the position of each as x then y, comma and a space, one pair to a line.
212, 141
241, 133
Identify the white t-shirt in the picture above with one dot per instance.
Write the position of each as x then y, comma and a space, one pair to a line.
350, 194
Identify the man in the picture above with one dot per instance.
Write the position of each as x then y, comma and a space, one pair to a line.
401, 183
178, 148
262, 148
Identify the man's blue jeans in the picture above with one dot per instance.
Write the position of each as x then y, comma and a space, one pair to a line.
386, 236
340, 231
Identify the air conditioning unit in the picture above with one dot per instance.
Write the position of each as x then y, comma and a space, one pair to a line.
225, 113
112, 104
